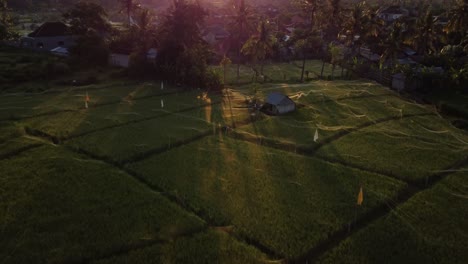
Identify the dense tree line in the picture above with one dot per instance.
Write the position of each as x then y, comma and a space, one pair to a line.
331, 31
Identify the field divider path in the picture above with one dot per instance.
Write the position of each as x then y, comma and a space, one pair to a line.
177, 201
311, 151
59, 140
314, 253
362, 126
17, 152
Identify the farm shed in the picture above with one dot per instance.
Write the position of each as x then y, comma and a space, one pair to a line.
277, 103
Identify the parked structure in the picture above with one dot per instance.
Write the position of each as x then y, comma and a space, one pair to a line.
277, 104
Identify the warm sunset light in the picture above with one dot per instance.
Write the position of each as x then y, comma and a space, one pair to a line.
233, 131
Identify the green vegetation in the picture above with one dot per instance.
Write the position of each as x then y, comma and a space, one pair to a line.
60, 207
345, 108
208, 247
286, 202
14, 145
74, 123
409, 148
277, 72
431, 227
136, 139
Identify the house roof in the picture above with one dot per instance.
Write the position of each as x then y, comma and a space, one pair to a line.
277, 98
60, 51
50, 29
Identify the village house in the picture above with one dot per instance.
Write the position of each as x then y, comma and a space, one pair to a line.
277, 104
392, 13
48, 36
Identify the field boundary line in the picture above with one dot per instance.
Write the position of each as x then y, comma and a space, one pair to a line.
179, 202
59, 140
98, 105
17, 152
335, 239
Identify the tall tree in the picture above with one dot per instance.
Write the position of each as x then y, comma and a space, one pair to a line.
6, 31
334, 20
145, 34
183, 54
392, 45
129, 6
89, 21
260, 45
86, 16
458, 22
423, 35
312, 10
354, 25
240, 27
306, 42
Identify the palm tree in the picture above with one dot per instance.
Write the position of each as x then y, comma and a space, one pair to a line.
354, 25
334, 18
458, 22
313, 9
145, 33
306, 42
423, 35
393, 44
129, 6
259, 46
241, 26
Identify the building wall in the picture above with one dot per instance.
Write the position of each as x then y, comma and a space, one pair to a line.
283, 109
48, 43
120, 60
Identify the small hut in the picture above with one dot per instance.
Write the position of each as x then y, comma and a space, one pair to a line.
277, 104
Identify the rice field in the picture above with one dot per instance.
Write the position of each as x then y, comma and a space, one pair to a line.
145, 175
431, 227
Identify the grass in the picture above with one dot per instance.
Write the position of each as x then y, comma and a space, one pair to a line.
59, 207
431, 227
284, 201
208, 247
411, 148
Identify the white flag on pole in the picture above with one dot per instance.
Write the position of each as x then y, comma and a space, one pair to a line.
316, 135
162, 85
162, 103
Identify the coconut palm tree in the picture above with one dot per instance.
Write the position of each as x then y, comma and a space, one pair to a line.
423, 35
458, 22
143, 29
392, 45
240, 27
260, 45
334, 19
129, 6
306, 42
